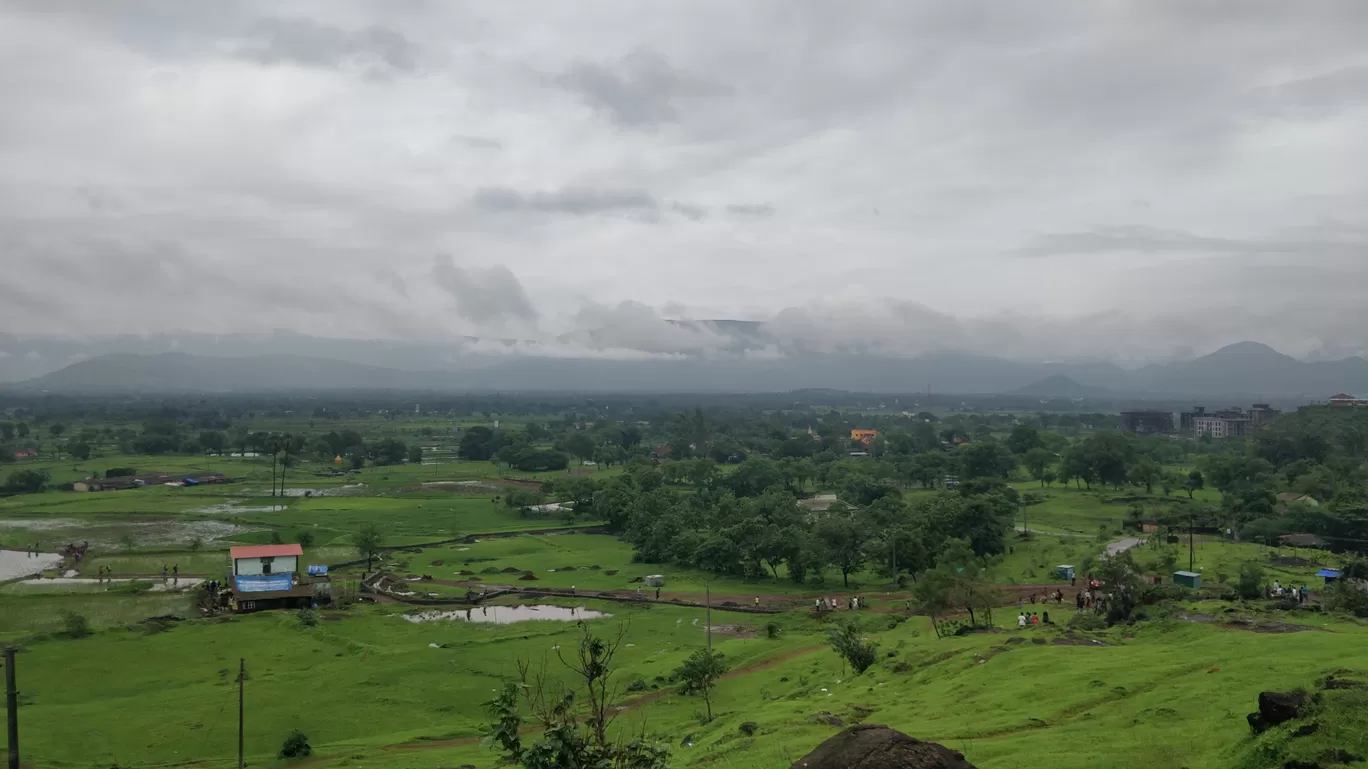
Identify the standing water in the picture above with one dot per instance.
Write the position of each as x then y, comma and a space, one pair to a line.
504, 615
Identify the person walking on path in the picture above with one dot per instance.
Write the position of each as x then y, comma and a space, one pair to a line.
1021, 620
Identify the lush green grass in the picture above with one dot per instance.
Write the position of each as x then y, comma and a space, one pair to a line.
542, 553
1166, 694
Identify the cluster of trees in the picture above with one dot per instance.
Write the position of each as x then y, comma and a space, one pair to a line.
749, 522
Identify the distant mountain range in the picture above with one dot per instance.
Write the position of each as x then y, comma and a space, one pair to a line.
1246, 370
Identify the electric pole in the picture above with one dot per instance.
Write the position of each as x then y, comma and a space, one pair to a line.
1191, 523
707, 602
242, 675
11, 709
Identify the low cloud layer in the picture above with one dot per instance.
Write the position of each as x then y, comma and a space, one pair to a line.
1030, 181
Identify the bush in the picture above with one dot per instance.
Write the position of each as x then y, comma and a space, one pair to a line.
772, 630
308, 617
1088, 621
305, 538
749, 728
75, 625
1250, 585
860, 653
296, 746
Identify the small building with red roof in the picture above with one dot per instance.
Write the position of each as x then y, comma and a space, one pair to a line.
1345, 399
268, 577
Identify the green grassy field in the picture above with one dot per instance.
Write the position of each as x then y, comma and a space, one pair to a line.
1166, 694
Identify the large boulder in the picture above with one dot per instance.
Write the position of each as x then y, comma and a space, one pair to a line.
1276, 708
869, 746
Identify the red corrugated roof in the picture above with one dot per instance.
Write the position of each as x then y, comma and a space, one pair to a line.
265, 551
1342, 397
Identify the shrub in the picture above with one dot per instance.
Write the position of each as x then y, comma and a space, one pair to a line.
749, 728
296, 746
1250, 585
308, 617
305, 538
1088, 621
860, 653
196, 544
772, 630
75, 625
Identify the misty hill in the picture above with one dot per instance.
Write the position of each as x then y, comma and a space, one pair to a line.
1060, 386
1245, 371
181, 372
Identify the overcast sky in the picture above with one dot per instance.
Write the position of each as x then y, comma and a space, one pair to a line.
1127, 180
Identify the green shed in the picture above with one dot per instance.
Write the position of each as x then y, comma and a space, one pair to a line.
1187, 579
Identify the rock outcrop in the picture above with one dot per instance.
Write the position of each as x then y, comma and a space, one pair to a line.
870, 746
1276, 708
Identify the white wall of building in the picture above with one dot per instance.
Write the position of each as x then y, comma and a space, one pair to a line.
280, 564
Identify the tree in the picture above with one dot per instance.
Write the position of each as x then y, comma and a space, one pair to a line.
860, 653
1251, 581
390, 451
580, 445
415, 454
56, 429
369, 540
213, 441
985, 459
1023, 439
1193, 482
927, 468
844, 539
699, 673
27, 481
564, 741
1038, 462
477, 444
80, 450
305, 538
1145, 472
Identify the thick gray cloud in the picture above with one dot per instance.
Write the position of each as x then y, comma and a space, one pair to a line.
483, 295
1044, 180
304, 41
642, 89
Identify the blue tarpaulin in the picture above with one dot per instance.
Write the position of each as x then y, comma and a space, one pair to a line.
262, 583
317, 571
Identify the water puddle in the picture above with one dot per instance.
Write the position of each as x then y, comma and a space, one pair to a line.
236, 508
504, 615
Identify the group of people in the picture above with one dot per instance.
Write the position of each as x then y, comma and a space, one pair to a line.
1024, 619
174, 573
1298, 594
834, 604
1091, 599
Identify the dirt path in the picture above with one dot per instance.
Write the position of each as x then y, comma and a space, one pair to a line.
627, 707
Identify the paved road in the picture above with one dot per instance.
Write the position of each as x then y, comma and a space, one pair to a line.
1122, 545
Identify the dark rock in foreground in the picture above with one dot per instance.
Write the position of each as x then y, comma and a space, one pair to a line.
869, 746
1276, 708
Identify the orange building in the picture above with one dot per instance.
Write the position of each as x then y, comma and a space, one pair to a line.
863, 436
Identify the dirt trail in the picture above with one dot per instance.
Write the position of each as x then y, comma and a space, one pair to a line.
630, 705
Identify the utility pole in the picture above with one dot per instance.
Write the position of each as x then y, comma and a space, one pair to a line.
1191, 522
707, 602
11, 709
242, 675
